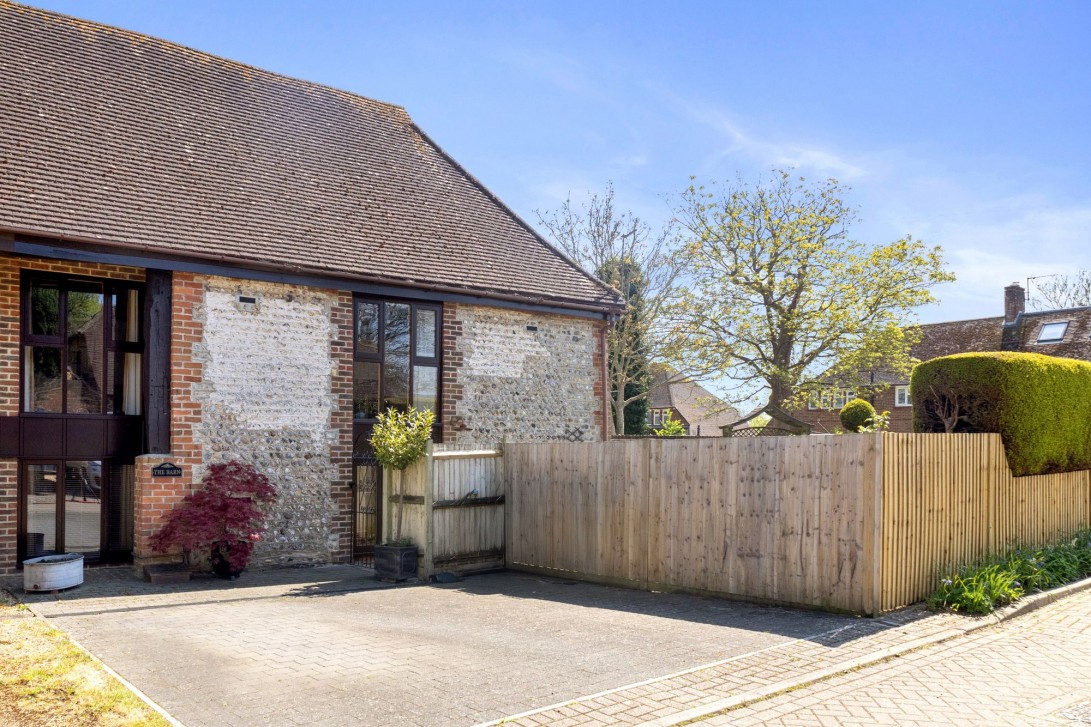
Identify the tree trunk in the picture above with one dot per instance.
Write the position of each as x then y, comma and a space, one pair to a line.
399, 505
619, 412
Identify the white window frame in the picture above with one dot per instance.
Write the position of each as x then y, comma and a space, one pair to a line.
1053, 339
657, 417
832, 398
899, 399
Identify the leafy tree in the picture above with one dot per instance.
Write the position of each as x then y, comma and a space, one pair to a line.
781, 300
625, 252
1064, 291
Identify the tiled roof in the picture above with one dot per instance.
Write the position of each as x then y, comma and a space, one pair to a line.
115, 136
693, 402
985, 334
1077, 338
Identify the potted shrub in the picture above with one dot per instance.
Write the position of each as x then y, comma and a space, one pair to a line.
223, 518
399, 439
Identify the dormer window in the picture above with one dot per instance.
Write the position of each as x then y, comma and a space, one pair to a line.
1052, 332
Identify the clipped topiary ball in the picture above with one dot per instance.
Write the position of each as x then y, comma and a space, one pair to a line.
856, 414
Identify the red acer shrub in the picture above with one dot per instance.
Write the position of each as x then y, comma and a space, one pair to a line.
224, 516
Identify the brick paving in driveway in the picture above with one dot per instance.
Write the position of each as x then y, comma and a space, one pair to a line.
330, 646
1030, 671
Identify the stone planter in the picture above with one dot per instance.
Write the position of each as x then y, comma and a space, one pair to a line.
52, 572
395, 562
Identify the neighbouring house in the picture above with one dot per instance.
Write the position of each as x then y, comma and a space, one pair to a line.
700, 411
203, 261
1065, 332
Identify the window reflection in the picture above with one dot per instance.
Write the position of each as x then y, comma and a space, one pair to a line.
365, 390
396, 357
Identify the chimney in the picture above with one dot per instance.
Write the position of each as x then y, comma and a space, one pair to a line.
1015, 302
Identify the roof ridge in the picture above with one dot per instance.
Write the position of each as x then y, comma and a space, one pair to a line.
134, 35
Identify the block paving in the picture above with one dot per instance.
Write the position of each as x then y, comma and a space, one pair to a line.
331, 646
1032, 670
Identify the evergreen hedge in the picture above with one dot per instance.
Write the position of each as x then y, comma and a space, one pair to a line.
1040, 405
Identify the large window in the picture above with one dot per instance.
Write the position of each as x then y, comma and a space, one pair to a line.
395, 357
82, 347
831, 399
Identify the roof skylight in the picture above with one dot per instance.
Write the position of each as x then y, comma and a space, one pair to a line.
1052, 332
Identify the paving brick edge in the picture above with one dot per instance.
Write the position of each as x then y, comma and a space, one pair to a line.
1023, 606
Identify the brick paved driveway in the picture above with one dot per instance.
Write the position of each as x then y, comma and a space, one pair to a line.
1032, 670
326, 646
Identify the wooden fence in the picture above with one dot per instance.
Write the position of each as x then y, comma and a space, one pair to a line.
454, 508
860, 523
949, 499
787, 519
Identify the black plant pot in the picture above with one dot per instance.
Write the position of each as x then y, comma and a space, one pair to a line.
220, 565
396, 562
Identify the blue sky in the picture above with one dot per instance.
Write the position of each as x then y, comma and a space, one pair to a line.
963, 124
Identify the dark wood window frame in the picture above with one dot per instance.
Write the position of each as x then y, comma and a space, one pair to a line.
378, 356
104, 554
64, 283
59, 341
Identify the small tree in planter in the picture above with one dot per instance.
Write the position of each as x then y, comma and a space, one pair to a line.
399, 439
223, 517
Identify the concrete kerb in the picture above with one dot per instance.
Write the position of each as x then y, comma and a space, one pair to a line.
1023, 606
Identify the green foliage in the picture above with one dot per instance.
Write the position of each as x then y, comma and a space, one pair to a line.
856, 415
671, 427
981, 587
400, 438
878, 423
1040, 405
636, 411
783, 300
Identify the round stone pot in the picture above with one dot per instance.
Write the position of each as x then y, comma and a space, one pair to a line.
52, 572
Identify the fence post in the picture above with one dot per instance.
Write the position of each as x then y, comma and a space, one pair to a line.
428, 560
876, 528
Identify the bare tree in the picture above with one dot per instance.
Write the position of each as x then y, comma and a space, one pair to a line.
1064, 291
624, 251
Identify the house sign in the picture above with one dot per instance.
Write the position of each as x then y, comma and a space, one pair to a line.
167, 469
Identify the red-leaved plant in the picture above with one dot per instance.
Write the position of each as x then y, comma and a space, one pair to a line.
222, 516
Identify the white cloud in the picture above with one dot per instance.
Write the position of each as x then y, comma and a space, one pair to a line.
768, 152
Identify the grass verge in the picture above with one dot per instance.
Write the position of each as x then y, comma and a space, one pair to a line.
981, 587
45, 679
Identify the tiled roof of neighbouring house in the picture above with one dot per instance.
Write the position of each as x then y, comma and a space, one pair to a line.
693, 402
113, 136
985, 334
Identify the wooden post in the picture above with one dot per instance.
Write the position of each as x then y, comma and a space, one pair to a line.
157, 335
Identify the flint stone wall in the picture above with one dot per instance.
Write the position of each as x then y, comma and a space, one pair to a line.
266, 399
523, 377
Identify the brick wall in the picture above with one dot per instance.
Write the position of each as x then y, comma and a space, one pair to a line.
155, 497
10, 266
826, 421
520, 376
341, 492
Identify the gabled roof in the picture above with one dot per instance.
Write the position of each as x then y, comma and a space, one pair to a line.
115, 137
693, 402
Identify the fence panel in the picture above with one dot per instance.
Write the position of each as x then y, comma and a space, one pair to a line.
949, 499
779, 519
467, 508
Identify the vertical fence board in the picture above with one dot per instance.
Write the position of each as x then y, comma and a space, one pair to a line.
949, 499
